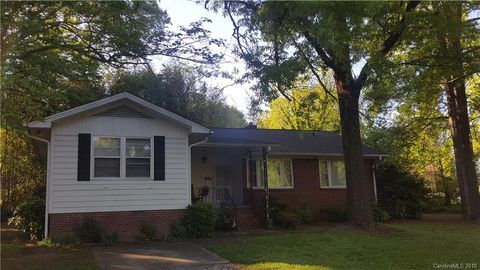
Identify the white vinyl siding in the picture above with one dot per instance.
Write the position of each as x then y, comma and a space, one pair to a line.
67, 195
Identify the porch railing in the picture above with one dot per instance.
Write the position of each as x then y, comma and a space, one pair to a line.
216, 195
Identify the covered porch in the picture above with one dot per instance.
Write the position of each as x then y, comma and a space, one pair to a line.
220, 173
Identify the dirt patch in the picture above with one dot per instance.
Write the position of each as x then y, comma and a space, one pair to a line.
20, 253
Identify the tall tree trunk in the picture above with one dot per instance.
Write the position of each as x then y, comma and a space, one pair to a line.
358, 200
465, 166
454, 87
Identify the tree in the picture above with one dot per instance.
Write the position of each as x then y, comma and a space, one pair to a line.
180, 89
54, 56
435, 65
297, 36
309, 108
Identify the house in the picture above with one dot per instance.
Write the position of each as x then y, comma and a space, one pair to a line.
124, 161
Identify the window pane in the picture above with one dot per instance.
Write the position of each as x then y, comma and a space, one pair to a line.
138, 167
107, 146
260, 179
138, 148
338, 173
273, 173
323, 174
286, 173
107, 167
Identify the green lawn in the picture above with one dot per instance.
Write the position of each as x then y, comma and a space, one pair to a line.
399, 246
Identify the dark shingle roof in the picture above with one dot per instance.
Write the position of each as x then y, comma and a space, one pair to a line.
285, 141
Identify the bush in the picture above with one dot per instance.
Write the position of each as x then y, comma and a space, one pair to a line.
331, 215
303, 214
109, 238
148, 231
29, 217
400, 193
178, 230
225, 219
285, 219
379, 215
89, 231
199, 220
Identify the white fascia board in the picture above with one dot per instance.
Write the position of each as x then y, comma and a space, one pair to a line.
39, 124
194, 127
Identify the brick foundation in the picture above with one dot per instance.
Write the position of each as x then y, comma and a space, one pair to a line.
125, 223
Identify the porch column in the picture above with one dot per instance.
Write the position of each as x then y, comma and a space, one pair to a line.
265, 180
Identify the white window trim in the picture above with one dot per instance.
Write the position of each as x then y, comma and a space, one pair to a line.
329, 169
123, 158
259, 162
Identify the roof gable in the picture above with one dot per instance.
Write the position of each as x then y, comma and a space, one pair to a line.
116, 105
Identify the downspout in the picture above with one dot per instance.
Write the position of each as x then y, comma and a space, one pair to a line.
47, 184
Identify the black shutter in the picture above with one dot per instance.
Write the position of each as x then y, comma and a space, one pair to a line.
83, 162
159, 158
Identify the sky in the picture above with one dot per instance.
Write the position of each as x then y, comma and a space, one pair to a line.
183, 12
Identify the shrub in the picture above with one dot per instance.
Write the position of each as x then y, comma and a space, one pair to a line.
400, 193
331, 215
178, 230
379, 215
148, 231
109, 238
225, 218
199, 220
303, 214
89, 231
285, 219
29, 217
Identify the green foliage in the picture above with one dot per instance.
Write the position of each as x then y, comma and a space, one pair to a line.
148, 231
178, 230
330, 214
59, 241
29, 217
379, 215
199, 220
310, 108
285, 219
303, 214
109, 237
180, 89
54, 57
400, 193
225, 218
89, 231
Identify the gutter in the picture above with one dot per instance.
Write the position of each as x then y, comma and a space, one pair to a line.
47, 184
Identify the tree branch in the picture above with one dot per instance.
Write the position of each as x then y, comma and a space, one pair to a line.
388, 44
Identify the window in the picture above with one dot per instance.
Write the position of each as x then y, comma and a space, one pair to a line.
138, 158
332, 174
121, 157
106, 157
279, 173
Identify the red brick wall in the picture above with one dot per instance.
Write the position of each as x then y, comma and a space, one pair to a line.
125, 223
307, 189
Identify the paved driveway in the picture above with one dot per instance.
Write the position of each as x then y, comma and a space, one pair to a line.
175, 255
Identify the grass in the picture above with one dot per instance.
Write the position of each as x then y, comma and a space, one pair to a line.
399, 246
17, 253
